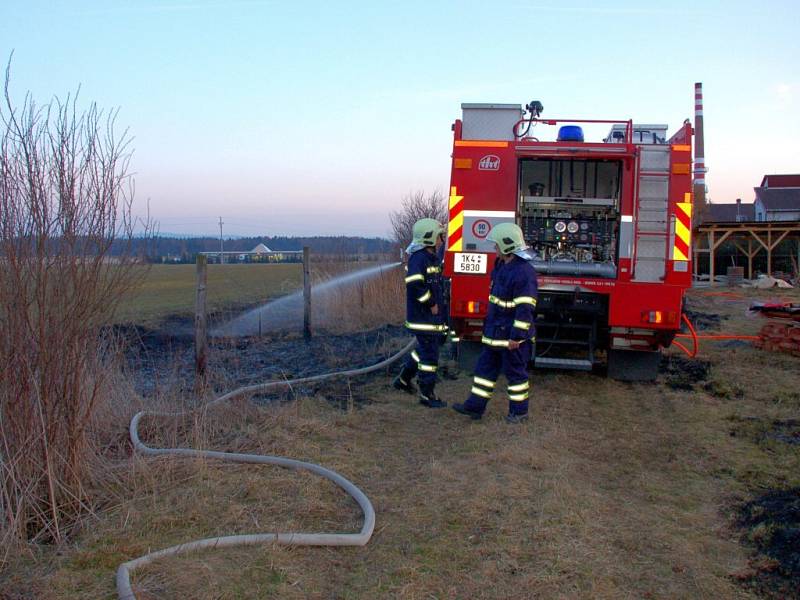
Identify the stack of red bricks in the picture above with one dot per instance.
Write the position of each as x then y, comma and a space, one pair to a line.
780, 337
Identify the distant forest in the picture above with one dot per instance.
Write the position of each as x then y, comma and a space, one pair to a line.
186, 249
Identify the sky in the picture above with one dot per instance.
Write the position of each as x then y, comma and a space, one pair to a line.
317, 118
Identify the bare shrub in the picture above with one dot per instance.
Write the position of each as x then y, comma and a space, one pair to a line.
65, 198
414, 207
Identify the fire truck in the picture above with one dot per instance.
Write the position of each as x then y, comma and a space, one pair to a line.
608, 224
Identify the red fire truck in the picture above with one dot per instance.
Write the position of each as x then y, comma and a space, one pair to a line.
608, 223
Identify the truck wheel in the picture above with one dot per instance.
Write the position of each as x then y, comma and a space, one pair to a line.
633, 365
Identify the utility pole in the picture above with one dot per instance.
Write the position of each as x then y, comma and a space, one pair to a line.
221, 255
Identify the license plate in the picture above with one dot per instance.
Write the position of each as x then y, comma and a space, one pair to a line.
465, 262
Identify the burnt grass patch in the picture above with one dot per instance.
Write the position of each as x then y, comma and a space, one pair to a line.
771, 524
682, 373
162, 360
787, 431
765, 431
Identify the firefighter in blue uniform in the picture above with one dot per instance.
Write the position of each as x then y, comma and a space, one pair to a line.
425, 312
509, 331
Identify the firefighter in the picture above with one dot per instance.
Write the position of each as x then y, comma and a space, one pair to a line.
425, 316
508, 332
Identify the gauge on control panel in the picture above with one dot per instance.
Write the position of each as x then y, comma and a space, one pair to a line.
560, 227
584, 226
572, 227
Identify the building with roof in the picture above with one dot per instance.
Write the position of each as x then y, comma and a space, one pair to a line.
780, 181
261, 253
730, 212
762, 236
778, 198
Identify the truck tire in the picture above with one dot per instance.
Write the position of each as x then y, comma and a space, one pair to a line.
633, 365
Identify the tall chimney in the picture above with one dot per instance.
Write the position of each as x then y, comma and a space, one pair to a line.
699, 155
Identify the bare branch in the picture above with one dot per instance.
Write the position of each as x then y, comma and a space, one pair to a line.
415, 206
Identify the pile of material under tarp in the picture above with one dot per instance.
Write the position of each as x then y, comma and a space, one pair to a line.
782, 333
763, 282
767, 282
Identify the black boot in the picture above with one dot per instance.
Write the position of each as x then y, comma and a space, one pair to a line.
461, 408
403, 382
450, 370
429, 399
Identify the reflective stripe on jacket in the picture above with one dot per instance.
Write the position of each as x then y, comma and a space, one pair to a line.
512, 303
423, 291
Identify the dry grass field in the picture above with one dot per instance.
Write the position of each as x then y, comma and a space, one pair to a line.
168, 291
612, 490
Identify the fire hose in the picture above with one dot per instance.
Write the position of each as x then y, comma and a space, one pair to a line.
695, 338
124, 590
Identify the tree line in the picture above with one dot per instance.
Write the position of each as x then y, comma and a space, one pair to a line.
186, 249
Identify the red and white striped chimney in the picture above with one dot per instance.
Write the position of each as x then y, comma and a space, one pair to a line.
699, 148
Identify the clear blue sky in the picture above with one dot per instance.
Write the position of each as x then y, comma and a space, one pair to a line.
305, 118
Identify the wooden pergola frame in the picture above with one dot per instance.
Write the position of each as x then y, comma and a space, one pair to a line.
767, 234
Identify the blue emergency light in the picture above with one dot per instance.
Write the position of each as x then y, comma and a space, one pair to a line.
570, 133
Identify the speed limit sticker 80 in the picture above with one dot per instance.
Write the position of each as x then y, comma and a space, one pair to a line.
467, 262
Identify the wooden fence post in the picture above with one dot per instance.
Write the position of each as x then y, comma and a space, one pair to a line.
200, 337
306, 294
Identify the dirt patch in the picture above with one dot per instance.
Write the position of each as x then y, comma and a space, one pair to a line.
772, 524
702, 321
681, 373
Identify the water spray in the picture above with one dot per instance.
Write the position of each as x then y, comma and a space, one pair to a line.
287, 312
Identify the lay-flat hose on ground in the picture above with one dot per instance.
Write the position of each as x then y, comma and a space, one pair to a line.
124, 589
